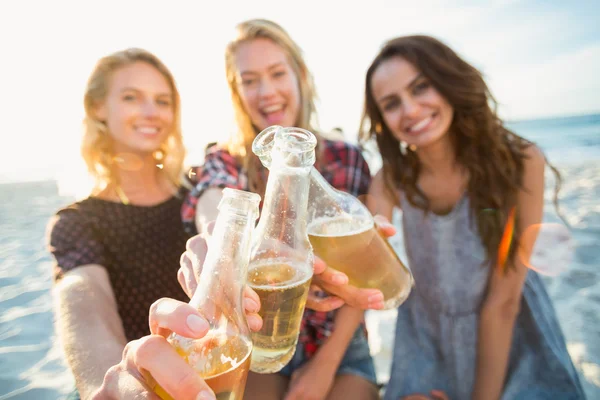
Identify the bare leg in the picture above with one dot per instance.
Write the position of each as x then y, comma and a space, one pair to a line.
347, 387
265, 386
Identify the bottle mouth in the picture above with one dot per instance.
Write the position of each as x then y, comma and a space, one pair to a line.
291, 140
264, 141
295, 140
241, 201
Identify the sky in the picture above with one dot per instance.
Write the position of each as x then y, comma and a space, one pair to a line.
540, 58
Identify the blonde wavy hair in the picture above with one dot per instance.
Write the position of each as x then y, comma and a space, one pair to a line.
240, 145
97, 144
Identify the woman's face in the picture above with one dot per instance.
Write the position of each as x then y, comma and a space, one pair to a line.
267, 84
138, 109
413, 110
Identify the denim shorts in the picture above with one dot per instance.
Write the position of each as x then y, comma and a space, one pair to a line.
357, 359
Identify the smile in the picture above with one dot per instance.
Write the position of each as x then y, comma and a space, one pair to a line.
147, 130
422, 125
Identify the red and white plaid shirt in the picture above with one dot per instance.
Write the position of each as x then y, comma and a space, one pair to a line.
341, 164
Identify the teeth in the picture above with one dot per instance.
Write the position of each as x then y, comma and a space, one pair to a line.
273, 108
147, 130
420, 125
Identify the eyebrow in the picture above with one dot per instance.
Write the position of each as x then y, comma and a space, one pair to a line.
132, 89
270, 67
410, 84
414, 80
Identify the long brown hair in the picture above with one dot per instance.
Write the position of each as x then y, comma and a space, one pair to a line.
493, 155
240, 146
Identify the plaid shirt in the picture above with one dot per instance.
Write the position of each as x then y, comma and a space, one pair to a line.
341, 164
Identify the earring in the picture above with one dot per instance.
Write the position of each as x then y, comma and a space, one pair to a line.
159, 155
403, 146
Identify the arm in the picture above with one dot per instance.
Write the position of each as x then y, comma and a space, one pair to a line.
331, 352
502, 303
315, 378
88, 325
378, 200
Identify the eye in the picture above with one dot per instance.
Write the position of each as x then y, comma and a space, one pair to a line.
279, 74
391, 105
249, 81
421, 87
129, 97
164, 102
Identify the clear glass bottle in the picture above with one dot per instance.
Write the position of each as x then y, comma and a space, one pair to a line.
281, 264
222, 357
343, 234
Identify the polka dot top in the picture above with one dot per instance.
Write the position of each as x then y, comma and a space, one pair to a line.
139, 246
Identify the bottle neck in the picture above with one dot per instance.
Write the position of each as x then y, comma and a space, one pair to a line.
284, 212
225, 267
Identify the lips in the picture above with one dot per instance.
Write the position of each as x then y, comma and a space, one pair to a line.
147, 130
421, 125
273, 114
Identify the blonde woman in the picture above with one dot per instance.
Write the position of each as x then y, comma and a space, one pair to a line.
118, 251
270, 84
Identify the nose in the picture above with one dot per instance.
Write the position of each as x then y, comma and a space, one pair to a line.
410, 107
149, 109
267, 88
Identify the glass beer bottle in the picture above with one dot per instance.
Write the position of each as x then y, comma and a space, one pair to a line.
281, 261
222, 357
343, 234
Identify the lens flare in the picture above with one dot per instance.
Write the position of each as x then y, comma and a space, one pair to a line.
506, 241
546, 248
128, 161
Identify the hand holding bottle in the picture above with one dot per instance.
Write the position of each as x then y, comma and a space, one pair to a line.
336, 283
326, 278
191, 266
152, 360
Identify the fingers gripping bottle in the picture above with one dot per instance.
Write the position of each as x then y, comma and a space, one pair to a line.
343, 234
222, 357
281, 262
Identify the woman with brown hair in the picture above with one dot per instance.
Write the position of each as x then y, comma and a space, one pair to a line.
478, 324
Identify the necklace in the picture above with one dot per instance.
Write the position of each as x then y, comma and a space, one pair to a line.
122, 196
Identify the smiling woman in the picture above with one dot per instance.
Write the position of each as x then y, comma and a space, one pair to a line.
270, 83
118, 250
480, 324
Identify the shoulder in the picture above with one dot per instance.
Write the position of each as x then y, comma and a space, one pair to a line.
217, 155
533, 165
340, 150
70, 219
344, 167
217, 162
534, 156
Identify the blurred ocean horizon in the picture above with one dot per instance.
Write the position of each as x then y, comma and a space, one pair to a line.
31, 361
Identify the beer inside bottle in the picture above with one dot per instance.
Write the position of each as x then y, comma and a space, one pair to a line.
223, 362
282, 290
281, 259
355, 247
222, 357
